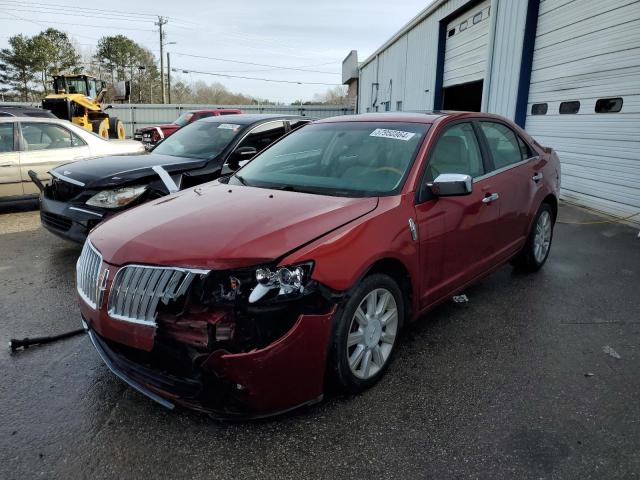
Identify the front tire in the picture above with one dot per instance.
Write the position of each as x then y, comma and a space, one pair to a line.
365, 333
536, 250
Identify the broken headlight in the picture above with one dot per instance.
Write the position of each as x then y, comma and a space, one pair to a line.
288, 280
116, 198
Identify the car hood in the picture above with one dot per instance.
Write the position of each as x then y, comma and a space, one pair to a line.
216, 226
116, 170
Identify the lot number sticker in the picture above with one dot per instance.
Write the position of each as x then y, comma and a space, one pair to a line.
395, 134
228, 126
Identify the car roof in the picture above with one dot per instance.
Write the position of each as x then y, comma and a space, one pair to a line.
247, 118
18, 109
201, 110
406, 117
25, 118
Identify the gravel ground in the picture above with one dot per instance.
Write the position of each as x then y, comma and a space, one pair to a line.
535, 377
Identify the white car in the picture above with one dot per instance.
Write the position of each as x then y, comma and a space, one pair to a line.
41, 144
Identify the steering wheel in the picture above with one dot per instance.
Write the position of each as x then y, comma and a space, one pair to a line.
389, 169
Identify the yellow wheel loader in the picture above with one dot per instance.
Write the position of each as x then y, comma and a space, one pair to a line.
78, 98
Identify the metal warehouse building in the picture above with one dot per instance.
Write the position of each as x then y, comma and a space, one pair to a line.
566, 70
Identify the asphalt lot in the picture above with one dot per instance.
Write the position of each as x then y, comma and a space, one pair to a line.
521, 381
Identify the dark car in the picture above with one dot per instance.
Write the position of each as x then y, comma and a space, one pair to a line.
245, 295
84, 193
20, 111
150, 136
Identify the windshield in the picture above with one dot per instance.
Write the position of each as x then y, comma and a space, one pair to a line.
203, 140
345, 159
77, 85
183, 119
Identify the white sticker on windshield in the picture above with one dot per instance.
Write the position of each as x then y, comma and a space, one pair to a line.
229, 126
396, 134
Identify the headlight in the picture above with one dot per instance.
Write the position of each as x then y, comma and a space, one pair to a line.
116, 198
287, 280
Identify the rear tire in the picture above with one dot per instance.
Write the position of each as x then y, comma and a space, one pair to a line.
116, 128
365, 333
536, 250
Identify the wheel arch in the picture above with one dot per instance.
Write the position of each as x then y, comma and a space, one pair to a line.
553, 202
398, 271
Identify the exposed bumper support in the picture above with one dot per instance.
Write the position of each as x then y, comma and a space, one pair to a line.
102, 350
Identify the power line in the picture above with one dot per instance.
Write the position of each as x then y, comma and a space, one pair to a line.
255, 64
67, 14
78, 24
184, 70
147, 16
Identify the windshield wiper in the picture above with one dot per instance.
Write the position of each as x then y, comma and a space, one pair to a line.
241, 180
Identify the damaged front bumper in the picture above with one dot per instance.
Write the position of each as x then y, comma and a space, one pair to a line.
285, 374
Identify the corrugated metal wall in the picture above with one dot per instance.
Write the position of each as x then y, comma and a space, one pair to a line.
503, 73
584, 51
411, 61
142, 115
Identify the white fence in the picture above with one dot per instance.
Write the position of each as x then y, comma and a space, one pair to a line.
141, 115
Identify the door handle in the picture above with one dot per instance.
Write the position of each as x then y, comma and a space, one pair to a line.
537, 177
490, 198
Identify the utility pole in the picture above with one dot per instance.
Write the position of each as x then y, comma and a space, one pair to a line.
160, 23
169, 77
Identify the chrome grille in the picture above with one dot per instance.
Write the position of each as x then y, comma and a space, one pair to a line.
87, 272
137, 289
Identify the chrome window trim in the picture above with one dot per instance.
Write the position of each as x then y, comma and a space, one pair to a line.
65, 178
505, 168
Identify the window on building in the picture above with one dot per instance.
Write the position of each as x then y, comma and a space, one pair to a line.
539, 108
387, 106
477, 18
368, 109
399, 106
503, 144
452, 32
609, 105
463, 26
569, 107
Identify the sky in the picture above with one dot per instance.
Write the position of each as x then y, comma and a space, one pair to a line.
310, 35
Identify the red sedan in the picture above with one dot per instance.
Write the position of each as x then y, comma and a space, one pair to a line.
149, 136
244, 296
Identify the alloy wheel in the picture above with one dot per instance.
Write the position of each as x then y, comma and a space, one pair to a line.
542, 239
372, 333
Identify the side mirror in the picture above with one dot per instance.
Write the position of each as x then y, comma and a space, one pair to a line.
452, 184
245, 152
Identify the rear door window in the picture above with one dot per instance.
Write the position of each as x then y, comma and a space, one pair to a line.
504, 145
47, 136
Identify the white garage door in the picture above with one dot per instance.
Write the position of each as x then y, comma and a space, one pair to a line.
465, 56
587, 60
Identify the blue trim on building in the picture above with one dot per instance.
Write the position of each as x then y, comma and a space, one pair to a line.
438, 93
526, 63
